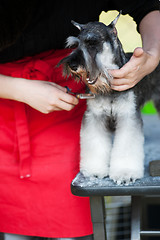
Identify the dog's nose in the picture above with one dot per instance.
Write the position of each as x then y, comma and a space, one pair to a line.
73, 66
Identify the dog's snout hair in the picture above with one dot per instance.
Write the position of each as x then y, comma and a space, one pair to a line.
75, 60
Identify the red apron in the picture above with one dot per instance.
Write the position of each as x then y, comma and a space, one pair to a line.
39, 157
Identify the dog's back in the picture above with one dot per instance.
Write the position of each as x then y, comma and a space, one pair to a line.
149, 89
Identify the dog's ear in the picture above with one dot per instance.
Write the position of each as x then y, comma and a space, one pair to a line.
62, 61
78, 25
113, 23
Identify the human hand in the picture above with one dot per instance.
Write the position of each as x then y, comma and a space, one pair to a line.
140, 64
46, 97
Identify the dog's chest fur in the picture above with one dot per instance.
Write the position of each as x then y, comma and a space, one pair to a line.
112, 108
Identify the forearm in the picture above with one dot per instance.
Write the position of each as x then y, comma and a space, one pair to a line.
43, 96
11, 88
150, 33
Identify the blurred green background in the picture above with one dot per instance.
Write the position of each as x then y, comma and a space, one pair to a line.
129, 38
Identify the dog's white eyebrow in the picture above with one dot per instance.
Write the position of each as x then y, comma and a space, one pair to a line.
87, 58
71, 41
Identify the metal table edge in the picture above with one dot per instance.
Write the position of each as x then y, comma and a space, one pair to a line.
115, 191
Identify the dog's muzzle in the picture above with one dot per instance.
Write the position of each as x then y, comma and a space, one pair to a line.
99, 84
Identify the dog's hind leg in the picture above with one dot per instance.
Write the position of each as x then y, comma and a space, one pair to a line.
157, 105
155, 80
95, 146
156, 99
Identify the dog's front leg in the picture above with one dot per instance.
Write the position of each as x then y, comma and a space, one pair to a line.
127, 157
95, 146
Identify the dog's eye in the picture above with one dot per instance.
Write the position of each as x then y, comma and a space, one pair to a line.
91, 42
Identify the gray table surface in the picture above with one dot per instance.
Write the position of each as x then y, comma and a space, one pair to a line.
148, 185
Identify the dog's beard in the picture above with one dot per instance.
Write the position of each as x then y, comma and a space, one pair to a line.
97, 82
102, 84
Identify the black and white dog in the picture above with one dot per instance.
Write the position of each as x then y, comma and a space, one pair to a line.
98, 49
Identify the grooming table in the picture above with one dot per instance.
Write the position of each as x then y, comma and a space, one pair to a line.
97, 188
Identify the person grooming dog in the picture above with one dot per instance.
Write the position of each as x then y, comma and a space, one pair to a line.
40, 122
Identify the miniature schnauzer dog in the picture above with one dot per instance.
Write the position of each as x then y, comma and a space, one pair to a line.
111, 133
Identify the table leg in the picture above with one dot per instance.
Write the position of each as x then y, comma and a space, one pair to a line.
98, 217
136, 218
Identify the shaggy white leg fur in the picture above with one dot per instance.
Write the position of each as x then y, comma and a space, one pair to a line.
95, 147
127, 155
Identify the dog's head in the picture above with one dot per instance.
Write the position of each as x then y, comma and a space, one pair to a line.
96, 50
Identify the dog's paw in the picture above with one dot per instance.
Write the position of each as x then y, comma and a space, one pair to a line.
95, 172
125, 176
94, 166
